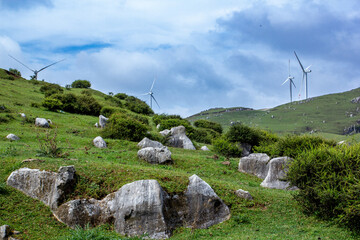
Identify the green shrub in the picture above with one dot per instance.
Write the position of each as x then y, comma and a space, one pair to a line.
158, 118
328, 179
50, 88
81, 84
170, 123
202, 123
107, 110
87, 105
136, 105
69, 101
224, 147
52, 104
34, 105
115, 100
121, 96
241, 133
123, 126
15, 72
86, 92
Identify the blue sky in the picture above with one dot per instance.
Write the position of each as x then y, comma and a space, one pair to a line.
204, 54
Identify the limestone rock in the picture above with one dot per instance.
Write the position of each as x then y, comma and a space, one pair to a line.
155, 155
96, 125
41, 122
102, 121
243, 194
49, 187
165, 132
158, 126
4, 232
12, 137
205, 208
256, 164
178, 138
356, 100
146, 142
205, 148
99, 142
23, 115
276, 174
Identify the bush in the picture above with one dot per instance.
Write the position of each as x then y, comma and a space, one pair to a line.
136, 105
81, 84
86, 92
87, 105
328, 179
34, 105
158, 118
224, 147
50, 88
69, 101
115, 100
15, 72
121, 96
123, 126
243, 134
107, 110
202, 123
52, 104
170, 123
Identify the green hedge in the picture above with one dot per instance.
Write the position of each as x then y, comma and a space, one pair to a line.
202, 123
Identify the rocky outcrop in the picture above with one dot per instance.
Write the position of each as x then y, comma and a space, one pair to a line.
49, 187
41, 122
255, 164
155, 155
146, 142
12, 137
243, 194
205, 208
178, 138
276, 174
99, 142
102, 121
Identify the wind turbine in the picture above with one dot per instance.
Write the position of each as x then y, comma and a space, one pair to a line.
290, 79
305, 72
151, 94
36, 71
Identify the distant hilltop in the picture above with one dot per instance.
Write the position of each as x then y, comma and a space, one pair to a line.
221, 110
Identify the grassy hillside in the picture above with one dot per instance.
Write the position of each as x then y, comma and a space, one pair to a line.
326, 114
272, 215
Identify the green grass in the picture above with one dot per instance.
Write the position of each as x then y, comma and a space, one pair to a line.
324, 114
272, 215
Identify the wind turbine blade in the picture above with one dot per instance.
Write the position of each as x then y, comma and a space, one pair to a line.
155, 100
152, 85
308, 67
285, 81
299, 62
21, 63
51, 64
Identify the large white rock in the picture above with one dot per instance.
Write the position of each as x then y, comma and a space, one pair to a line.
276, 174
256, 164
155, 155
12, 137
99, 142
102, 121
146, 142
178, 138
41, 122
205, 208
48, 187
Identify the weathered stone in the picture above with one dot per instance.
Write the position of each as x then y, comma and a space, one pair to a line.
12, 137
246, 149
102, 121
96, 125
243, 194
49, 187
23, 115
355, 100
4, 232
205, 208
49, 121
99, 142
277, 171
146, 142
165, 132
41, 122
138, 214
256, 164
155, 155
205, 148
179, 139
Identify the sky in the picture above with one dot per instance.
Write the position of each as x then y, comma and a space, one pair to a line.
202, 53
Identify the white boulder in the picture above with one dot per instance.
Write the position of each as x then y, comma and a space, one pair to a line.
41, 122
99, 142
12, 137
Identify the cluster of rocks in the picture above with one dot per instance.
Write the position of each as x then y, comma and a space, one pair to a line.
102, 122
140, 207
273, 171
153, 152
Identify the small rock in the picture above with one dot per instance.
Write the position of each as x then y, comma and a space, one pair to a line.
32, 160
99, 142
243, 194
158, 126
205, 148
12, 137
146, 142
102, 121
23, 115
96, 125
227, 163
155, 155
4, 231
41, 122
49, 121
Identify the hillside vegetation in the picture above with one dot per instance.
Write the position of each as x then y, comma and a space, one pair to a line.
329, 114
273, 214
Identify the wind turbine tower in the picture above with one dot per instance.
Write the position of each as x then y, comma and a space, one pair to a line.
291, 82
36, 71
151, 94
305, 72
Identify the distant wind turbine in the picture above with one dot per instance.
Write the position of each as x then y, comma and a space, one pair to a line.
36, 71
151, 94
305, 72
291, 82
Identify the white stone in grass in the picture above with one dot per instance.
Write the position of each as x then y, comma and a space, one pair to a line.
99, 142
205, 148
41, 122
12, 137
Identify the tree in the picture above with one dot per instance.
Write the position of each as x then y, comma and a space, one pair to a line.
15, 72
81, 84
